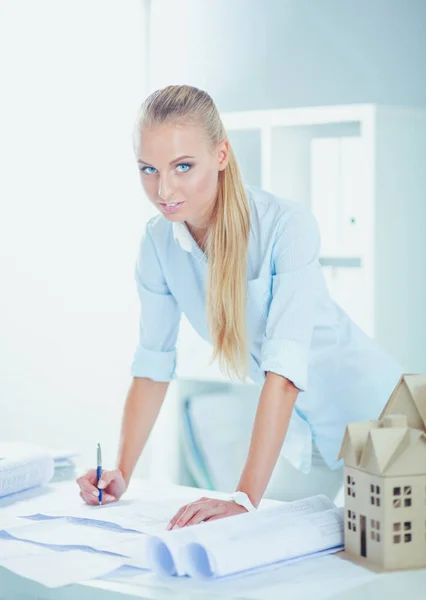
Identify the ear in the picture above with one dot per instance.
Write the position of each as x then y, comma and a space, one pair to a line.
223, 154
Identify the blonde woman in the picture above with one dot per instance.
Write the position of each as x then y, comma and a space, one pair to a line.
242, 265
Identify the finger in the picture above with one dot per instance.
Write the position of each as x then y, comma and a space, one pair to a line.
190, 511
91, 476
214, 517
85, 485
176, 517
206, 513
94, 501
181, 511
107, 477
89, 499
107, 498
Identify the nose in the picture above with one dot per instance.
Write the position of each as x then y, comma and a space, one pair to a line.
165, 191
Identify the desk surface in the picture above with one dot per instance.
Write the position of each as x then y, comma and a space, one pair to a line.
392, 586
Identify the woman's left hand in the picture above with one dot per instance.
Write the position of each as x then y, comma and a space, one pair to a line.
204, 509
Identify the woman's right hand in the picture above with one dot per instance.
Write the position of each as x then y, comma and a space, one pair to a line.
112, 484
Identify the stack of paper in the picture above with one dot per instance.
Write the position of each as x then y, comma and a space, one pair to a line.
23, 466
250, 540
132, 533
318, 577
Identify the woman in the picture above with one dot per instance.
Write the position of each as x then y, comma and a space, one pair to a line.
242, 265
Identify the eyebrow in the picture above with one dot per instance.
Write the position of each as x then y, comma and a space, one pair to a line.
141, 161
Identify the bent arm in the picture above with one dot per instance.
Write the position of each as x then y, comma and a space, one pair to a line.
273, 414
143, 403
154, 362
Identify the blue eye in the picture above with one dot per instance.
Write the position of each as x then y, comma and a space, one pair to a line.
184, 165
144, 170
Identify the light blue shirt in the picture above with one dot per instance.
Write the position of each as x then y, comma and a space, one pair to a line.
294, 327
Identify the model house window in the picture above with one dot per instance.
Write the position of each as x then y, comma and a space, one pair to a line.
407, 497
351, 486
407, 532
375, 494
351, 520
375, 530
396, 499
402, 496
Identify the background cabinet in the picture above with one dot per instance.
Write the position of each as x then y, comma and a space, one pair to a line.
362, 171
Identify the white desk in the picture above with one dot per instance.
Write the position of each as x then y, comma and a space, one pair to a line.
393, 586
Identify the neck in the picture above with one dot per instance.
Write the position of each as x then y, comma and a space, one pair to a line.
199, 226
199, 233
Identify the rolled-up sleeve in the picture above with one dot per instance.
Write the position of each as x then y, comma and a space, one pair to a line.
297, 281
155, 356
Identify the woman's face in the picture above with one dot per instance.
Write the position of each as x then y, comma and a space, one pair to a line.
179, 171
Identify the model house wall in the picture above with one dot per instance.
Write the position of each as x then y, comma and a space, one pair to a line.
385, 481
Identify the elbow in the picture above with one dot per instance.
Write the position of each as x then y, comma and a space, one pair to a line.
281, 382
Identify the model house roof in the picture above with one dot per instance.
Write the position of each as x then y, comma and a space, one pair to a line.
409, 398
385, 447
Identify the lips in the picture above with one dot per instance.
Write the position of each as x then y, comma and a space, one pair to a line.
171, 209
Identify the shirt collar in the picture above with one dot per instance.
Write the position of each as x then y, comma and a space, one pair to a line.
182, 236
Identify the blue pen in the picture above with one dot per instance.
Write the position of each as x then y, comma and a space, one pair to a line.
99, 469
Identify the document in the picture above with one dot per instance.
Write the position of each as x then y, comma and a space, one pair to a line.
9, 521
23, 466
68, 533
132, 533
316, 577
145, 508
54, 569
249, 540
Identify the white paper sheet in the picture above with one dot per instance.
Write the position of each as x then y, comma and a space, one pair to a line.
167, 552
23, 466
47, 497
146, 508
66, 533
319, 578
10, 548
9, 521
284, 538
54, 569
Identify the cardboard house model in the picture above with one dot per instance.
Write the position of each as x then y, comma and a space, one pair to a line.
385, 481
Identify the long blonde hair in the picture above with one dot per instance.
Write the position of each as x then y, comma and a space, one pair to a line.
228, 233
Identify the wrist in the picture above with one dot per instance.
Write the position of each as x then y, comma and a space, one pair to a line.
126, 475
242, 499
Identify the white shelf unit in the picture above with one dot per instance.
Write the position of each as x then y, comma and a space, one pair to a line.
362, 170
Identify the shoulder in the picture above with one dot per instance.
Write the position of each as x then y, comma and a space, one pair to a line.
154, 239
267, 201
158, 232
276, 214
158, 228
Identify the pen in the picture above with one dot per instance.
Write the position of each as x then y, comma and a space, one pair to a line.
99, 469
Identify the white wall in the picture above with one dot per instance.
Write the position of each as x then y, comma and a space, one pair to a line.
281, 53
72, 210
